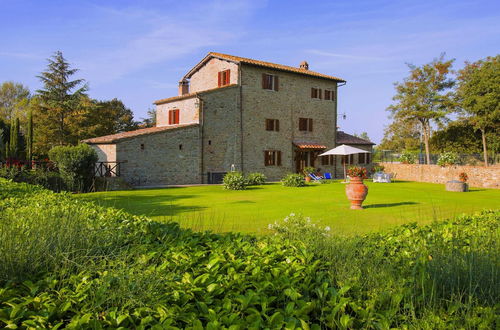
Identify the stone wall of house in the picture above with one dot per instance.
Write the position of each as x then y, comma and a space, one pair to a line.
207, 76
188, 111
167, 157
221, 130
292, 101
479, 176
105, 152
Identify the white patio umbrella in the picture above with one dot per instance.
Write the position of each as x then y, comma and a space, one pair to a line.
344, 150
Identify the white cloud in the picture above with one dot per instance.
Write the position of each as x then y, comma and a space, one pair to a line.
165, 37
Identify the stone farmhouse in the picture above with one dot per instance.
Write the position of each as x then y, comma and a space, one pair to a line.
235, 113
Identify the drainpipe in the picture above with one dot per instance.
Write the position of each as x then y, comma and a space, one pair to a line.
336, 117
201, 117
241, 115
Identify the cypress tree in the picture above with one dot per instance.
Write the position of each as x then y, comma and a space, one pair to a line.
29, 142
14, 139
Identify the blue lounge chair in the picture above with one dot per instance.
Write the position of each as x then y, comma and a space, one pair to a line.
315, 177
328, 176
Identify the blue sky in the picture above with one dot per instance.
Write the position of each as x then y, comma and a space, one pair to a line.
137, 50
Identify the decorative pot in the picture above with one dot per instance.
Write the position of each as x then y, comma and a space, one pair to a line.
356, 192
307, 178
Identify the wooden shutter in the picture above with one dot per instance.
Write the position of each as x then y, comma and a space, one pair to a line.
276, 83
368, 158
310, 124
312, 93
320, 92
228, 77
219, 79
176, 116
170, 117
266, 158
333, 95
264, 80
278, 155
277, 125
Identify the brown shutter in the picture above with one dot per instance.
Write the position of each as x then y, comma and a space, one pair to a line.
276, 83
228, 77
312, 92
267, 124
266, 162
368, 158
277, 123
279, 158
170, 117
333, 95
219, 81
320, 92
264, 80
176, 114
310, 124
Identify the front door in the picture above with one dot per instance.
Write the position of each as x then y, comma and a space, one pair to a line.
304, 159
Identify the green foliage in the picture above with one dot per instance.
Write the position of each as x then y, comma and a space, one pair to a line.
407, 158
478, 94
297, 226
447, 159
308, 170
439, 276
424, 96
76, 165
117, 270
458, 136
401, 134
29, 138
255, 179
234, 181
48, 179
14, 139
378, 168
293, 180
14, 100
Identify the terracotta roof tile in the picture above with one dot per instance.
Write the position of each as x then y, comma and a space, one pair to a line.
309, 145
273, 66
190, 95
107, 139
344, 138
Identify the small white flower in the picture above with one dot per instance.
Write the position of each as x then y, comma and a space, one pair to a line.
286, 219
308, 220
269, 226
292, 214
288, 260
327, 228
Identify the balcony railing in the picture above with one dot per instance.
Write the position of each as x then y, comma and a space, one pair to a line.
107, 169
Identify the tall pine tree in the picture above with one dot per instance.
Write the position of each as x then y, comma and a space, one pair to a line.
59, 98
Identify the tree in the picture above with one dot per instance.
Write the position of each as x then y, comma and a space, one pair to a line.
150, 120
14, 139
29, 135
58, 100
363, 136
478, 94
14, 100
401, 135
424, 96
458, 136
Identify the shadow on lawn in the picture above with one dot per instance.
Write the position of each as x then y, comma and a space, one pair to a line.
149, 205
388, 205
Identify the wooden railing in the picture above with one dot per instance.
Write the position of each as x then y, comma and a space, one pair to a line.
107, 169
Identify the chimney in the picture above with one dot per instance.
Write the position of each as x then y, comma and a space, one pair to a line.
183, 87
304, 65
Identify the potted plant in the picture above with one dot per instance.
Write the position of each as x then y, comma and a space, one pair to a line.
463, 177
308, 170
356, 190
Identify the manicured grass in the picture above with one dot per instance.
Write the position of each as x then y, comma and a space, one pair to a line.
212, 207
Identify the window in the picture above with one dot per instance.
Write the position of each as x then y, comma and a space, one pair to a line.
209, 142
180, 146
316, 93
328, 160
329, 95
361, 158
351, 159
173, 116
224, 78
272, 125
272, 158
305, 124
270, 82
142, 146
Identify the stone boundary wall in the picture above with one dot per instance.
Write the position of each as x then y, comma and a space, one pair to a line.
479, 176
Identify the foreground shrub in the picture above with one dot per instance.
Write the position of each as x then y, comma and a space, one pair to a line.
48, 179
447, 159
76, 165
443, 275
234, 181
407, 158
293, 180
255, 179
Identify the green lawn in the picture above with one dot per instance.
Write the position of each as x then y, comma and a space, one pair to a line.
212, 207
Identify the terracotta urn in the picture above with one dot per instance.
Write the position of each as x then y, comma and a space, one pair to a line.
307, 178
356, 192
